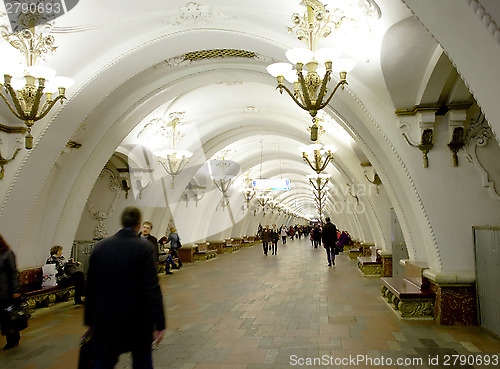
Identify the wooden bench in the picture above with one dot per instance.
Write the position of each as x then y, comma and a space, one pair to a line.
411, 296
217, 246
231, 245
370, 266
30, 285
186, 253
203, 253
354, 252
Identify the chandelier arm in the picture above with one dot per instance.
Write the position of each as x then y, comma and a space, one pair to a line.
293, 97
341, 83
48, 108
15, 100
305, 94
16, 114
322, 90
308, 162
34, 109
325, 164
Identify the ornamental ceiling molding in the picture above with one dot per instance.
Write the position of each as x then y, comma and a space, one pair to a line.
198, 13
478, 135
486, 18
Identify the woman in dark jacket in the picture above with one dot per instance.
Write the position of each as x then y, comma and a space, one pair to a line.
266, 238
175, 244
68, 273
9, 290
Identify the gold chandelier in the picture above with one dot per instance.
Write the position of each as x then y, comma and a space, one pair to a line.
320, 191
173, 160
318, 156
310, 86
29, 93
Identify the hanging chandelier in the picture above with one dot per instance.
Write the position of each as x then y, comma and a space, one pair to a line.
263, 201
320, 191
318, 156
248, 193
173, 160
222, 179
310, 90
30, 92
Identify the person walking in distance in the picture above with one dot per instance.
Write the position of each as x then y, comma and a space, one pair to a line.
175, 244
329, 237
283, 234
275, 236
124, 304
266, 238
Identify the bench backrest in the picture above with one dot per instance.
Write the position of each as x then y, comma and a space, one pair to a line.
414, 273
30, 279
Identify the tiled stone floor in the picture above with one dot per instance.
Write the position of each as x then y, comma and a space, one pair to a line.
249, 311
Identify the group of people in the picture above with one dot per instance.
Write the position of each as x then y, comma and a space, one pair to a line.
271, 235
328, 235
163, 253
123, 300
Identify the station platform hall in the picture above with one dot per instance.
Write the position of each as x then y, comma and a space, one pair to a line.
245, 310
215, 118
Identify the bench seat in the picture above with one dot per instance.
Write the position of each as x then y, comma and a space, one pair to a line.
369, 266
355, 252
204, 255
30, 285
408, 298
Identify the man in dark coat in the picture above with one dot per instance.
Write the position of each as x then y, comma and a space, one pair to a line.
124, 304
275, 236
329, 236
145, 233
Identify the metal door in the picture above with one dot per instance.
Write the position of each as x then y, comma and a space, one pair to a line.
487, 251
81, 252
399, 250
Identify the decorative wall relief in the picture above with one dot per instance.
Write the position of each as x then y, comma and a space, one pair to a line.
478, 135
8, 158
113, 184
194, 12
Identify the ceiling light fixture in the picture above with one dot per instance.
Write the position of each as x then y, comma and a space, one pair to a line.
28, 92
318, 156
173, 160
310, 86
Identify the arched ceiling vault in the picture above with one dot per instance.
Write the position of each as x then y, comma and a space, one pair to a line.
134, 69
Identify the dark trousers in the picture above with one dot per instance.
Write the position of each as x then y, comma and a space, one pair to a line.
175, 254
78, 280
274, 246
169, 262
330, 254
13, 338
265, 246
283, 238
142, 359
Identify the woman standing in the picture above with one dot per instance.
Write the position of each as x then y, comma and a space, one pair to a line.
175, 244
266, 238
9, 290
283, 234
